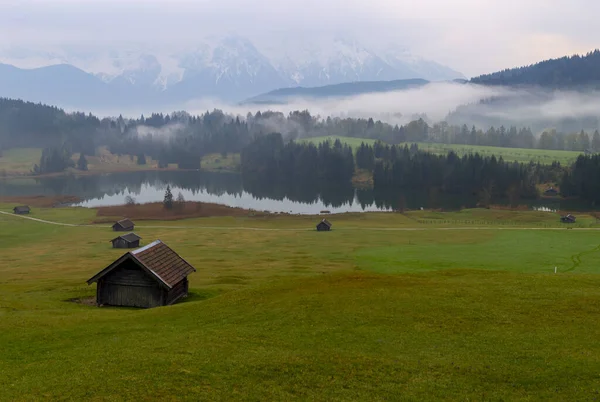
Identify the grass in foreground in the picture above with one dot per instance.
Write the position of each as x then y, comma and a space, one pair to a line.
354, 314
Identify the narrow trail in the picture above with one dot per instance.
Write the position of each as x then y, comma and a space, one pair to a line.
576, 258
390, 229
47, 222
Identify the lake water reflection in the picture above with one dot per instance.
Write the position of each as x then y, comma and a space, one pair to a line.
230, 189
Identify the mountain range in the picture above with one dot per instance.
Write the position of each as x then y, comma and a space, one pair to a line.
229, 68
284, 95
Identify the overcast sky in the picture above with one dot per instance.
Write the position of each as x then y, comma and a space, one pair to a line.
472, 36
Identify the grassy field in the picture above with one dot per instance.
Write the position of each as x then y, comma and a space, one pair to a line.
350, 141
509, 154
218, 163
20, 161
421, 306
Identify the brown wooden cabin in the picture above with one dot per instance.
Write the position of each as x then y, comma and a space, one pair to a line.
151, 276
130, 240
22, 210
124, 225
324, 225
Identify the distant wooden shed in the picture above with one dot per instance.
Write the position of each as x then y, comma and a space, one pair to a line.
124, 225
151, 276
568, 219
324, 225
130, 240
22, 210
551, 192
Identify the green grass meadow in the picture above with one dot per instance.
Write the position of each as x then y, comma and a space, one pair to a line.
416, 306
524, 155
350, 141
509, 154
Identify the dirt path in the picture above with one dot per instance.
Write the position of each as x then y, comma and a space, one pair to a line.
392, 229
576, 258
48, 222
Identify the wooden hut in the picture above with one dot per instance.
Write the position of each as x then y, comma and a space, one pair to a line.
124, 225
324, 225
22, 210
551, 192
151, 276
568, 219
130, 240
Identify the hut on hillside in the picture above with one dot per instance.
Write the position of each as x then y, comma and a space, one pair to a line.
324, 225
568, 219
151, 276
22, 210
124, 225
551, 192
130, 240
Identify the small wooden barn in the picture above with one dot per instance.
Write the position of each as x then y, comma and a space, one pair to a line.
568, 219
22, 210
324, 225
151, 276
124, 225
130, 240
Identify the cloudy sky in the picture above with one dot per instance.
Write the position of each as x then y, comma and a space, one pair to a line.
472, 36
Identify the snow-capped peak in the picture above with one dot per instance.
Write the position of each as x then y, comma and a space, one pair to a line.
232, 65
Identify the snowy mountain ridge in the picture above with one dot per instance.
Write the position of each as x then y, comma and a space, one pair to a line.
233, 68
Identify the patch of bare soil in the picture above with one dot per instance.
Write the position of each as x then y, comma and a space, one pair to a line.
40, 201
88, 301
156, 211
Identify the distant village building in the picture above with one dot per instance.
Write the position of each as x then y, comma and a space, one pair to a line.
130, 240
324, 225
151, 276
551, 192
22, 210
124, 225
568, 219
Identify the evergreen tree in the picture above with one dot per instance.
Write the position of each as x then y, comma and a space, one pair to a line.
82, 163
596, 141
168, 200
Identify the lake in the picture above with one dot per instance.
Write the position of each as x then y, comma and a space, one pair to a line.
231, 190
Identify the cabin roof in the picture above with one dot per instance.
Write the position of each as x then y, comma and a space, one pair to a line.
125, 223
22, 208
129, 237
156, 258
326, 222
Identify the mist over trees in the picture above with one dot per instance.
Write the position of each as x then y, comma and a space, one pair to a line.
270, 152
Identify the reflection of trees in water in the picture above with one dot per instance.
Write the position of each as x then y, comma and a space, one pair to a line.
97, 186
332, 195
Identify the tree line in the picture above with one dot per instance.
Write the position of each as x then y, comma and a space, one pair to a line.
563, 72
270, 157
183, 139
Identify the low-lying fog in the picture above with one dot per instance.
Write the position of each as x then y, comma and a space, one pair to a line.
452, 102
